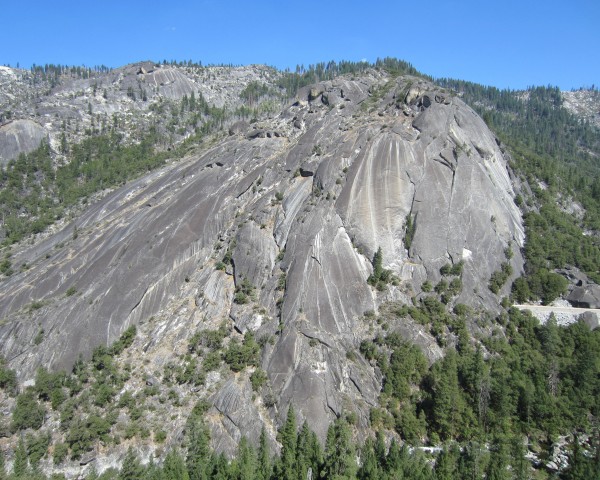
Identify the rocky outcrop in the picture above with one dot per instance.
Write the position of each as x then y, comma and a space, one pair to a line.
583, 293
291, 221
19, 136
583, 103
437, 165
587, 296
234, 412
591, 320
239, 128
134, 99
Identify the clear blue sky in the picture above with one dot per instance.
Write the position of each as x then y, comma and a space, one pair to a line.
503, 43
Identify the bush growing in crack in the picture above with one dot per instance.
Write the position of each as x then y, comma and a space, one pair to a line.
244, 292
380, 276
239, 356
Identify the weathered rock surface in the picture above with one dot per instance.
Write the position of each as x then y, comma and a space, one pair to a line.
310, 207
587, 296
19, 136
135, 98
591, 320
233, 412
583, 293
584, 103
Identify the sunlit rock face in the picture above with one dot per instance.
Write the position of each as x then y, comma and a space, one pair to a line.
297, 204
19, 136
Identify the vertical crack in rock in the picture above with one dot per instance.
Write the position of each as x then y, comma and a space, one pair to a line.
450, 208
139, 301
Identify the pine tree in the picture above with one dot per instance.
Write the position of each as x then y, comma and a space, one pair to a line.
303, 451
447, 406
378, 264
174, 467
446, 465
289, 437
497, 469
596, 453
37, 447
552, 345
246, 461
219, 467
380, 449
131, 469
315, 455
580, 466
369, 470
198, 455
263, 471
416, 467
20, 465
394, 460
153, 471
470, 462
339, 452
478, 381
519, 463
409, 233
586, 369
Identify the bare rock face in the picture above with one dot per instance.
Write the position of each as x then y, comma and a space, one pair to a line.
440, 166
583, 103
583, 293
297, 216
232, 413
19, 136
585, 296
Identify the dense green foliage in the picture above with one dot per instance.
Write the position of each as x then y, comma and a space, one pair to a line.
380, 276
526, 380
28, 413
34, 195
84, 400
536, 378
244, 292
411, 227
238, 356
8, 377
254, 91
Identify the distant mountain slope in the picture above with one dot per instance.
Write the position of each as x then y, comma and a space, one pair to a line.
584, 103
71, 103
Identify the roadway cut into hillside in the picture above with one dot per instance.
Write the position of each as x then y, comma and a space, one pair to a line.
564, 315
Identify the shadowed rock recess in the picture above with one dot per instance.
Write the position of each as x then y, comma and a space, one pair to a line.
300, 203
